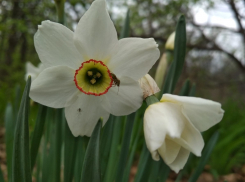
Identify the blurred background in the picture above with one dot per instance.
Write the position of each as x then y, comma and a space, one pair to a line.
215, 59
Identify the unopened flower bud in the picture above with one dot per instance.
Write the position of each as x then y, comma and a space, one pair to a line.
161, 71
148, 86
170, 42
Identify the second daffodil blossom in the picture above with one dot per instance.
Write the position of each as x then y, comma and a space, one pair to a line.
173, 127
89, 72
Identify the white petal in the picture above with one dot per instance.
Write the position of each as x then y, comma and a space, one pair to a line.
125, 99
202, 113
54, 87
84, 113
148, 86
95, 35
169, 151
55, 47
134, 57
191, 139
41, 67
161, 119
180, 160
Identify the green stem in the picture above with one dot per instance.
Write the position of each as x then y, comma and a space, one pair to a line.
151, 100
60, 7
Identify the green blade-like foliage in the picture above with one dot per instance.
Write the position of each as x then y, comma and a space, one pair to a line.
91, 165
179, 57
113, 156
46, 158
185, 89
21, 167
164, 172
17, 100
37, 133
125, 147
155, 168
131, 156
126, 26
148, 167
56, 143
206, 154
79, 158
39, 166
105, 144
9, 122
70, 154
142, 165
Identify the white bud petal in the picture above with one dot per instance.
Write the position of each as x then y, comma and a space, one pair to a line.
170, 42
161, 70
148, 85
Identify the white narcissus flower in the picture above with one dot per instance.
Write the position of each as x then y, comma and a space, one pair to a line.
90, 72
173, 127
148, 86
33, 71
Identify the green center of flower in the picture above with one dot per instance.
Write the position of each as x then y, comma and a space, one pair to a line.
93, 78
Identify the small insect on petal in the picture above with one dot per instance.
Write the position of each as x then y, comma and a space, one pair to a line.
116, 81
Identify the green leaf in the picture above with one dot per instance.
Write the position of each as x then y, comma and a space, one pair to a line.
206, 154
56, 144
47, 160
79, 158
9, 122
126, 26
17, 99
39, 167
37, 133
105, 144
70, 154
164, 172
131, 156
185, 89
155, 168
113, 157
125, 147
21, 170
142, 165
179, 57
91, 165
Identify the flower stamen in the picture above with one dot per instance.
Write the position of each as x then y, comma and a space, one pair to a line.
90, 73
93, 81
98, 75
